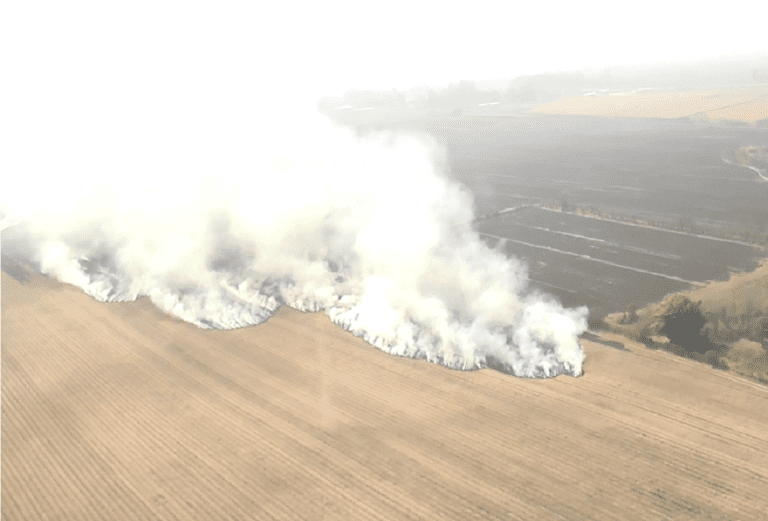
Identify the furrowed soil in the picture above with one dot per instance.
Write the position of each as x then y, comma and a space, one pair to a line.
117, 411
609, 265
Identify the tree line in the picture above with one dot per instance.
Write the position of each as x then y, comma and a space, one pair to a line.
466, 93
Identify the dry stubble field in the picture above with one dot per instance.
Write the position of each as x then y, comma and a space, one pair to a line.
747, 104
116, 411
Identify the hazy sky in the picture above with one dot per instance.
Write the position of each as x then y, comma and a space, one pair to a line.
408, 43
333, 45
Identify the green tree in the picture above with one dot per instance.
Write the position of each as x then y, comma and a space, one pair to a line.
681, 320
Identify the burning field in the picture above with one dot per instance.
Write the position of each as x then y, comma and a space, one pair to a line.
118, 410
219, 304
365, 229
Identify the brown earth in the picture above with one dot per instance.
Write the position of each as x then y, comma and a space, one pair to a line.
747, 104
117, 411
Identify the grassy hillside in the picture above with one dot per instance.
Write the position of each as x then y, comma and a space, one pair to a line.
723, 323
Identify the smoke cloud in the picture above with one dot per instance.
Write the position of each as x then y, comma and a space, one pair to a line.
222, 201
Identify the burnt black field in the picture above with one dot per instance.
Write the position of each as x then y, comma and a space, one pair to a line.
668, 170
608, 265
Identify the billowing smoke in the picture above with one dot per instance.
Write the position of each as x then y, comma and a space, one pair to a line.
222, 203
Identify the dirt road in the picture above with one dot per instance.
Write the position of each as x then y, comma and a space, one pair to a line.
116, 411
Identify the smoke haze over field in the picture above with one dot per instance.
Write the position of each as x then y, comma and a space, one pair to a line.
168, 170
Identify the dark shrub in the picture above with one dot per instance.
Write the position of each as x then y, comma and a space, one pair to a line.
681, 320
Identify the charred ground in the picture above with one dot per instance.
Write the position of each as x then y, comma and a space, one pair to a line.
619, 213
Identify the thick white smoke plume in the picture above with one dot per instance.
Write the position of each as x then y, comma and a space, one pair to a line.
222, 204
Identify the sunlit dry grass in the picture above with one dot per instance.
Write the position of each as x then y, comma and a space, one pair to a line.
750, 112
743, 104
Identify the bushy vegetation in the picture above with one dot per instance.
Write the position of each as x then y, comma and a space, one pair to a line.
682, 321
630, 315
749, 359
724, 327
731, 337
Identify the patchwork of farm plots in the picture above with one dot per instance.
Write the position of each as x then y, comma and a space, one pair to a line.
608, 265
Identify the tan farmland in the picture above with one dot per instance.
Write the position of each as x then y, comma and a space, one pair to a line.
746, 104
749, 112
116, 411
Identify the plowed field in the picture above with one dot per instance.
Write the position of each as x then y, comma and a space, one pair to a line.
116, 411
